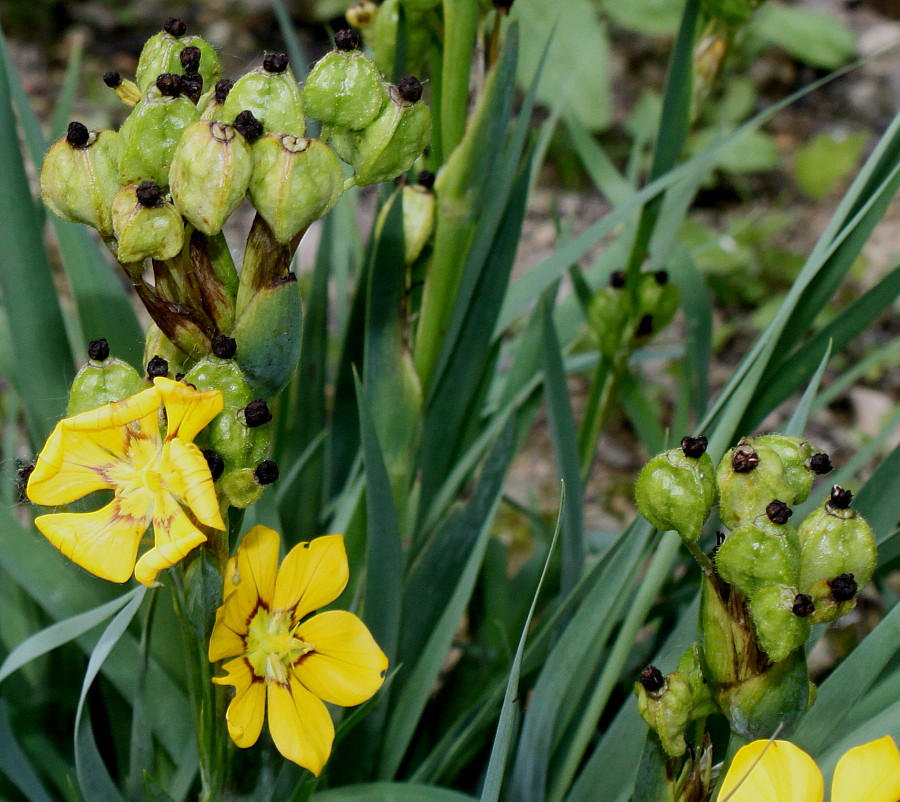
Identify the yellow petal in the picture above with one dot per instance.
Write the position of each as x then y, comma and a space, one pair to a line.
117, 414
247, 710
300, 725
187, 410
191, 481
104, 542
868, 773
346, 666
174, 536
772, 772
227, 638
312, 575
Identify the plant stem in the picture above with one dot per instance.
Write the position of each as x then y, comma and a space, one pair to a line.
597, 411
461, 26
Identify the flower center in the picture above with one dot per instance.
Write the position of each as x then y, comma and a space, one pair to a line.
271, 645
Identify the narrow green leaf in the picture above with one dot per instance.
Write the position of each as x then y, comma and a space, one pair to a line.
877, 501
814, 37
15, 765
295, 52
391, 792
66, 98
642, 412
599, 167
698, 314
797, 424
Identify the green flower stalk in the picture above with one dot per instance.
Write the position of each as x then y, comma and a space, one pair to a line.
79, 177
162, 53
145, 224
272, 95
101, 380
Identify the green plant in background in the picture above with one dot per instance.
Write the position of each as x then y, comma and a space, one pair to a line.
423, 363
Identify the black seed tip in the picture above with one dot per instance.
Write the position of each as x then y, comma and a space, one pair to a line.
149, 194
652, 679
347, 40
223, 87
840, 498
256, 413
179, 377
410, 89
778, 512
223, 346
248, 126
23, 474
426, 179
617, 280
98, 350
843, 587
803, 606
645, 326
157, 367
744, 459
820, 464
77, 134
266, 472
192, 86
112, 79
190, 58
275, 62
169, 84
694, 447
215, 462
720, 538
175, 26
662, 277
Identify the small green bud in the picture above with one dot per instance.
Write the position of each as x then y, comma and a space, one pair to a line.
345, 88
676, 489
214, 100
151, 133
146, 224
757, 554
658, 301
749, 477
835, 543
665, 704
778, 627
397, 137
210, 173
418, 219
295, 181
609, 316
796, 456
271, 93
157, 344
102, 381
79, 177
162, 54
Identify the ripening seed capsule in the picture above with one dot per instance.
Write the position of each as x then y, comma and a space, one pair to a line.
418, 219
665, 706
749, 477
384, 31
796, 455
162, 54
271, 93
658, 301
146, 224
102, 381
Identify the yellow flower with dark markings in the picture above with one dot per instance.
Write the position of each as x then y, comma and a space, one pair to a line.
160, 481
281, 658
781, 772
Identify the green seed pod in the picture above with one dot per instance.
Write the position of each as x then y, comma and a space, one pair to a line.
146, 224
162, 53
418, 38
758, 554
151, 133
610, 319
418, 219
79, 177
658, 301
779, 629
676, 489
802, 461
345, 88
156, 344
212, 103
397, 137
689, 666
295, 181
838, 556
665, 703
210, 173
272, 94
102, 381
749, 477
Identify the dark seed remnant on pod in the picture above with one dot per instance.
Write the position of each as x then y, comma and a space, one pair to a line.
347, 39
266, 472
190, 58
820, 464
149, 194
223, 87
720, 538
248, 126
662, 277
215, 462
192, 86
77, 134
112, 79
744, 459
98, 350
426, 179
175, 26
23, 474
169, 84
843, 587
179, 377
652, 679
645, 326
275, 62
803, 606
223, 346
256, 413
410, 89
617, 279
157, 367
694, 447
778, 512
840, 498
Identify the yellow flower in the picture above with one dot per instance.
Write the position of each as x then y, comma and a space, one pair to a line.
119, 447
781, 772
285, 659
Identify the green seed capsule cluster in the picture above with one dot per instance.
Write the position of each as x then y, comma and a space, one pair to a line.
769, 578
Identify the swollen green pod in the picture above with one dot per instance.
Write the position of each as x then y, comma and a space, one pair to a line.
272, 95
146, 224
162, 53
102, 380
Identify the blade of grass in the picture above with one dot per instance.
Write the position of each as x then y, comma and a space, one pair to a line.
62, 109
295, 51
15, 765
797, 424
